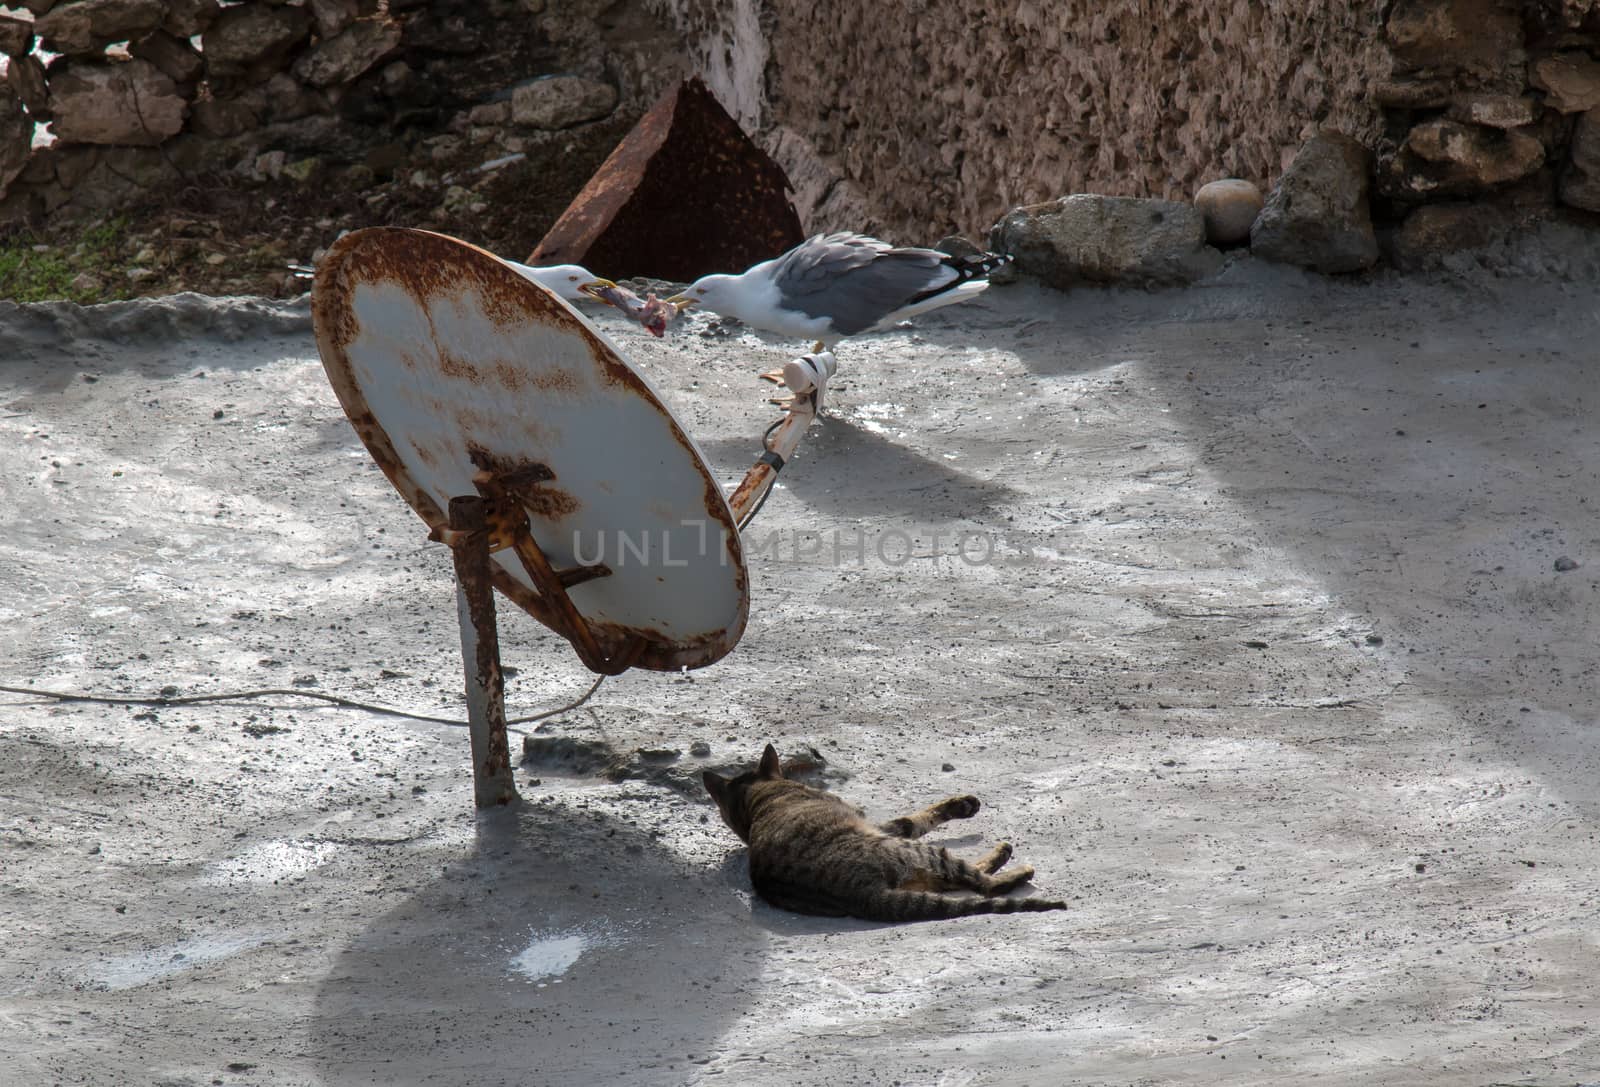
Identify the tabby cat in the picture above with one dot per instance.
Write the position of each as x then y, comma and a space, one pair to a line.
813, 853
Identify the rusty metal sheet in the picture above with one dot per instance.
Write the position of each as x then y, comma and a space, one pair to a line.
453, 369
684, 194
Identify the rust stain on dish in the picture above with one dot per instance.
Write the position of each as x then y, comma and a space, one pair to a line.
528, 482
453, 365
424, 454
514, 378
557, 380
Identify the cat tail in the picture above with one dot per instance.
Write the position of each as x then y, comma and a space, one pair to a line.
897, 905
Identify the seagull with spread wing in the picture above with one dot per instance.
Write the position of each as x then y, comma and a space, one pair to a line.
836, 285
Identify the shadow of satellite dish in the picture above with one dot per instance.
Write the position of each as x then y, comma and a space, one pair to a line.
546, 954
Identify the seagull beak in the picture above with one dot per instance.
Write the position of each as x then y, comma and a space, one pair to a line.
596, 289
681, 302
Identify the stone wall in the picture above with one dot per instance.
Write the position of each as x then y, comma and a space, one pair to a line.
911, 118
143, 94
917, 119
942, 116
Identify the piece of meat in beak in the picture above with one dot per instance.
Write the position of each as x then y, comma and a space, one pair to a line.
650, 312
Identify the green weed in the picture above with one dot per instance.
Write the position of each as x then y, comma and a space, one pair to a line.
89, 270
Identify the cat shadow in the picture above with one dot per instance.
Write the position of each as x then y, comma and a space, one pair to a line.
556, 947
734, 872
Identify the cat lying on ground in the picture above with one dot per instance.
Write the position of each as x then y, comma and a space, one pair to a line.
812, 853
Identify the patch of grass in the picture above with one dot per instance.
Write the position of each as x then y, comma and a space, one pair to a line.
87, 270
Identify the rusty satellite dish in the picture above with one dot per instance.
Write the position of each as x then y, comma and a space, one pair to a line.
463, 378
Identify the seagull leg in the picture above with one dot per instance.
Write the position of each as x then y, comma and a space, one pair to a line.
776, 376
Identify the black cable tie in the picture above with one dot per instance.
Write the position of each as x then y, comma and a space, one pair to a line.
769, 457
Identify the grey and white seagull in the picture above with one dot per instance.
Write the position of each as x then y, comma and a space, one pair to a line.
835, 285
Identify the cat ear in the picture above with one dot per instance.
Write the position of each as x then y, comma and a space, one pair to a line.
771, 766
715, 785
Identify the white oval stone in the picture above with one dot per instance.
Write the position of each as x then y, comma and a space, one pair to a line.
1229, 207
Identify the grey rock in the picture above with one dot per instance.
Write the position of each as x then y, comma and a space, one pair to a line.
252, 36
1580, 181
398, 78
111, 103
1448, 158
99, 178
16, 137
1413, 93
956, 246
88, 26
1228, 206
25, 76
562, 101
349, 53
178, 60
1434, 235
287, 100
73, 163
1565, 563
217, 118
1571, 81
186, 18
490, 113
1493, 110
16, 36
1318, 216
1107, 239
1484, 40
331, 16
121, 175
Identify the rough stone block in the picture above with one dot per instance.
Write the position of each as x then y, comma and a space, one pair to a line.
1107, 239
25, 76
562, 101
217, 118
186, 18
16, 137
88, 26
1412, 93
1571, 81
175, 57
1580, 182
16, 36
1434, 233
332, 16
1481, 37
1448, 158
252, 36
684, 194
128, 103
1493, 110
1318, 216
349, 53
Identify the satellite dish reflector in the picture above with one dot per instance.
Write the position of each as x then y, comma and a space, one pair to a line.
465, 379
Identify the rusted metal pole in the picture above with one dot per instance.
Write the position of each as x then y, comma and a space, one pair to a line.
468, 538
780, 447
